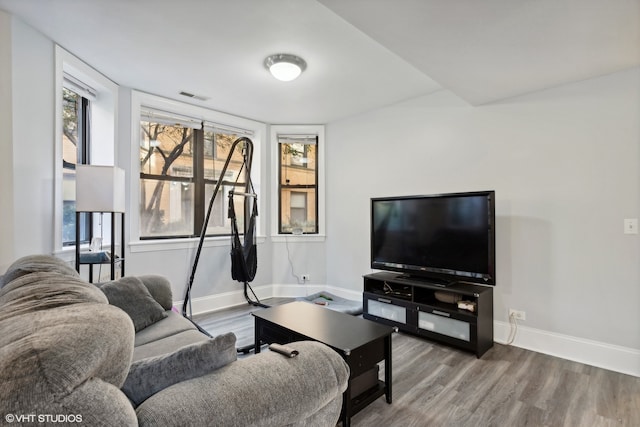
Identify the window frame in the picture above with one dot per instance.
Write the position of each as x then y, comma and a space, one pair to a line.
300, 187
181, 179
103, 149
305, 208
140, 100
318, 130
197, 178
83, 157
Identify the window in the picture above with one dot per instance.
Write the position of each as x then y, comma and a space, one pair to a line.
76, 136
181, 161
86, 110
298, 208
217, 143
297, 178
298, 184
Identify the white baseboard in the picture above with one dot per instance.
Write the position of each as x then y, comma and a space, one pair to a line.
224, 300
293, 291
602, 355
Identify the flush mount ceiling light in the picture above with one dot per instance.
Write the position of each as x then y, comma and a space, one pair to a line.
285, 67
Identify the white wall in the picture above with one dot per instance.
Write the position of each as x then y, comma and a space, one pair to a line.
32, 142
565, 167
291, 258
6, 147
213, 287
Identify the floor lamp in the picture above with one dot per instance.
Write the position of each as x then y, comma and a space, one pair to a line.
100, 189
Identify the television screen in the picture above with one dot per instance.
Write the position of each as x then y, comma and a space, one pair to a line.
446, 237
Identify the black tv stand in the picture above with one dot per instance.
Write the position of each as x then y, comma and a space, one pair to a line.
429, 310
441, 283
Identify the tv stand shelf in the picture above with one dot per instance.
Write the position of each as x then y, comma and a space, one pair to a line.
430, 310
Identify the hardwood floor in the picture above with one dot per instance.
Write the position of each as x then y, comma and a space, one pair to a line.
236, 319
436, 385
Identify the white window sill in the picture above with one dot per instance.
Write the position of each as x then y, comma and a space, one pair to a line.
281, 238
67, 253
174, 244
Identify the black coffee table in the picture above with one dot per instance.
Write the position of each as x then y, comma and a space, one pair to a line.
361, 343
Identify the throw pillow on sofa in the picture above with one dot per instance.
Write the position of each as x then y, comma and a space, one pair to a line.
160, 289
152, 374
133, 297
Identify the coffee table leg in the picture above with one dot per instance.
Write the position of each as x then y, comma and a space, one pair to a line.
387, 368
256, 342
346, 407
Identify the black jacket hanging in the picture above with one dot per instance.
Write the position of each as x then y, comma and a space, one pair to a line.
244, 258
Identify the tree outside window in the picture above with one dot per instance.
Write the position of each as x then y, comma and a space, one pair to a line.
180, 166
166, 184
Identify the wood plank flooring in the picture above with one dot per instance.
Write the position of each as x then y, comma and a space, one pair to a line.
436, 385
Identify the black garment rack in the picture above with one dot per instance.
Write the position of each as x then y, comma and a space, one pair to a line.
247, 153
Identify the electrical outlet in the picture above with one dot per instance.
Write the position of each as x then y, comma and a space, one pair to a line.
517, 314
631, 226
305, 277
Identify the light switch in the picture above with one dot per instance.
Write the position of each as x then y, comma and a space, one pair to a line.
631, 226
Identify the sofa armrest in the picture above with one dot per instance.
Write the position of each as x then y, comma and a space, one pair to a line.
267, 389
160, 289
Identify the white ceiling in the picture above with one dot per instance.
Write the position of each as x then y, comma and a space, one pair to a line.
361, 54
494, 49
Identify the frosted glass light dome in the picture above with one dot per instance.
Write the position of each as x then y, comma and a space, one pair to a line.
285, 67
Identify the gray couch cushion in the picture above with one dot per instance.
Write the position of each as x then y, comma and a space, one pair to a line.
173, 324
64, 346
130, 294
267, 389
168, 344
66, 360
43, 290
36, 263
150, 375
63, 349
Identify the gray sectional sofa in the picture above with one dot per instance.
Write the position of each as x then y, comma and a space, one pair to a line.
119, 356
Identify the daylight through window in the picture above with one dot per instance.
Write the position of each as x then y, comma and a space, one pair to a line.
181, 160
298, 184
76, 135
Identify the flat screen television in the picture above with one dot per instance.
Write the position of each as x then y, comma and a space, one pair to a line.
441, 238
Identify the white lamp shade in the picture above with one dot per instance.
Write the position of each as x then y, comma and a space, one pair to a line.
99, 189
